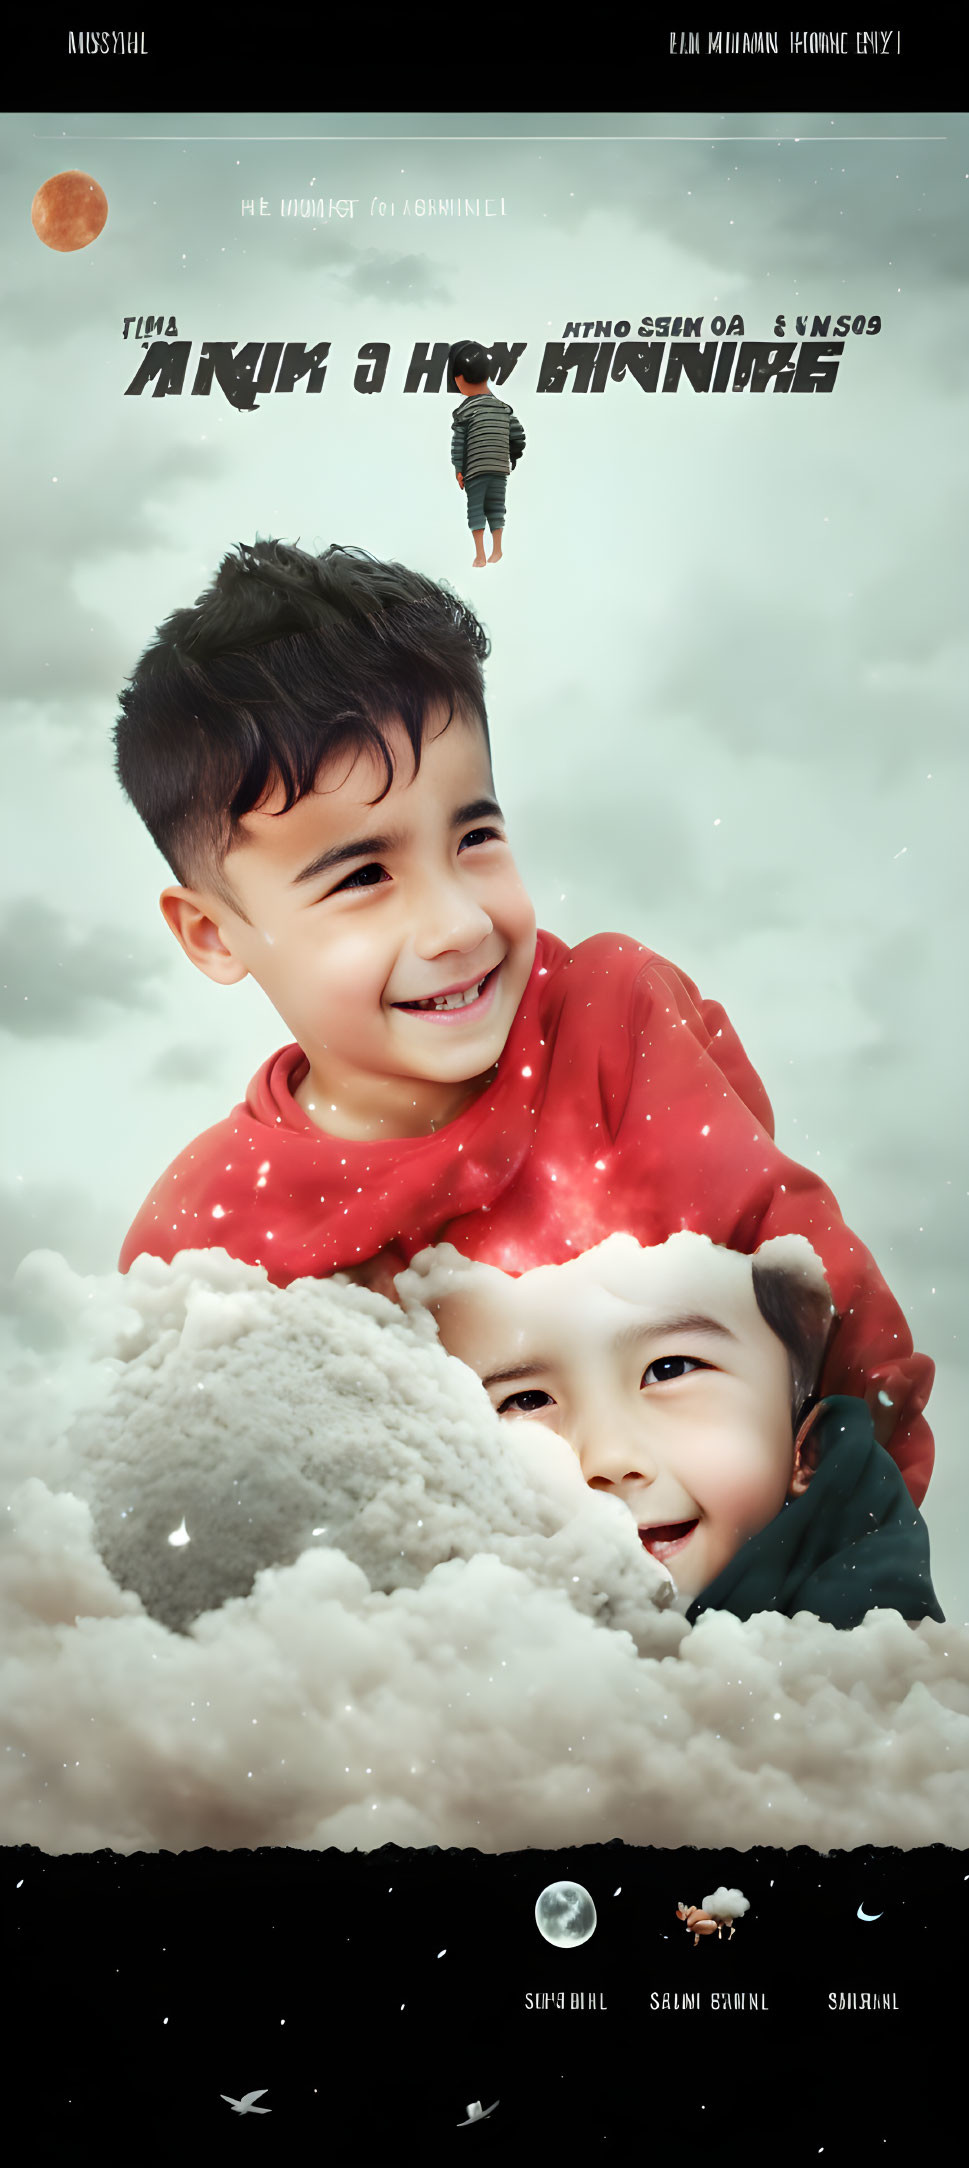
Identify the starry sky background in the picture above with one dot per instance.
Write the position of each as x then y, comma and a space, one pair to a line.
729, 656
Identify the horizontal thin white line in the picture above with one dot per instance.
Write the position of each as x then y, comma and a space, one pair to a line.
107, 138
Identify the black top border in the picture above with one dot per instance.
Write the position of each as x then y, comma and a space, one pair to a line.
197, 64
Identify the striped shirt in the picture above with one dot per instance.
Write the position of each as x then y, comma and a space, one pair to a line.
486, 436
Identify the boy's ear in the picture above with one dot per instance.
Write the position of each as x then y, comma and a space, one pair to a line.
196, 931
806, 1454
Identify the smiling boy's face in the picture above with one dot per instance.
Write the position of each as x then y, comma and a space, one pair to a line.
394, 938
654, 1364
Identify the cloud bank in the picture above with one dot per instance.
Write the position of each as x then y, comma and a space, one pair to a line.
58, 979
377, 1622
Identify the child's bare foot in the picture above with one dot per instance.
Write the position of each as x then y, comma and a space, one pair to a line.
495, 558
477, 562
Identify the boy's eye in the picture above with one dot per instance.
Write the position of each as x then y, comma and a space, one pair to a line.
363, 877
525, 1403
481, 835
667, 1367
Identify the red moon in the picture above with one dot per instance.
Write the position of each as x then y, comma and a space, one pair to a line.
68, 211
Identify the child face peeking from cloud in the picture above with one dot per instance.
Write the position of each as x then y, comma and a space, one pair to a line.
658, 1368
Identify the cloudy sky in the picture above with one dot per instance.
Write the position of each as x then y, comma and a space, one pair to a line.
728, 675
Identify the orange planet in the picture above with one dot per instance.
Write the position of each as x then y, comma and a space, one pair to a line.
68, 211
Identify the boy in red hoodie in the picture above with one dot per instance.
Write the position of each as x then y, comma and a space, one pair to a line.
309, 748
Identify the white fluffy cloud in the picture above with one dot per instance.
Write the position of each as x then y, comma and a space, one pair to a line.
393, 1620
726, 1904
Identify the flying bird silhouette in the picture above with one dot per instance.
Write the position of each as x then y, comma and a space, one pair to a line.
245, 2105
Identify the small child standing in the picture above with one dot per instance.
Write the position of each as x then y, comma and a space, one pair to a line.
487, 440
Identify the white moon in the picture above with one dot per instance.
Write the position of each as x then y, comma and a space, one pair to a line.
861, 1914
566, 1915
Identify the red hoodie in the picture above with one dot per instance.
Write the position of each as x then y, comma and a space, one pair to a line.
622, 1102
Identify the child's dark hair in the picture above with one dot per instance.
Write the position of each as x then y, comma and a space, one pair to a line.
799, 1310
284, 662
470, 360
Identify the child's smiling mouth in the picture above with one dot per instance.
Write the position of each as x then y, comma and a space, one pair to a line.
665, 1538
469, 1000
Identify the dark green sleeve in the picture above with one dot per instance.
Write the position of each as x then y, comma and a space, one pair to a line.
459, 445
853, 1543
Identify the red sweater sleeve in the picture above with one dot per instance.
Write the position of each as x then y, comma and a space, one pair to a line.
711, 1025
870, 1353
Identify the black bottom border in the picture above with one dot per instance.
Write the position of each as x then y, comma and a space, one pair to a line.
375, 1996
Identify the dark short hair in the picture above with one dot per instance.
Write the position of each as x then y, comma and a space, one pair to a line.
286, 661
801, 1313
470, 360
